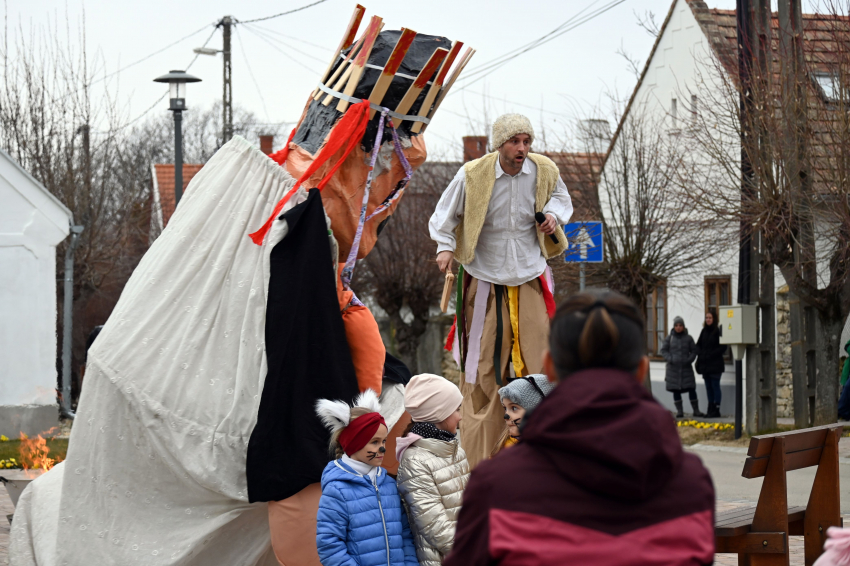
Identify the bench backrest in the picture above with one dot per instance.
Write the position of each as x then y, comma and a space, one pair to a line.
803, 448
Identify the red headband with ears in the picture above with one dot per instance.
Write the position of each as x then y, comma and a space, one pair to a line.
359, 432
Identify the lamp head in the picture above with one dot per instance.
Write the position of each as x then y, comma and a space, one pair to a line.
177, 88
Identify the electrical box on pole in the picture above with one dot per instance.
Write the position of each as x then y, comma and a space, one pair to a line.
740, 327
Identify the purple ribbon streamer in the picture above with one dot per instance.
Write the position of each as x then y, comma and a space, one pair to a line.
348, 270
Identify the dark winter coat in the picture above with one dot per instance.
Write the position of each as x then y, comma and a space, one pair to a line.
680, 352
599, 477
710, 351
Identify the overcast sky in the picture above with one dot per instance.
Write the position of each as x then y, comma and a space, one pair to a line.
555, 84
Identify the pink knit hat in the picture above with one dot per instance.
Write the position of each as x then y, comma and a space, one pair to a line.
430, 398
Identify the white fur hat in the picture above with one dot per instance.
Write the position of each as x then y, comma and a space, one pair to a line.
507, 126
336, 415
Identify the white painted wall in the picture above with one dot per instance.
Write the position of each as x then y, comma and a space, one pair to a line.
32, 223
681, 66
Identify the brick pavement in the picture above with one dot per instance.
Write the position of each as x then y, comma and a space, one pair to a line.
795, 544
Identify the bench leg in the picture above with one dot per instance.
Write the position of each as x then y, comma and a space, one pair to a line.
824, 508
772, 509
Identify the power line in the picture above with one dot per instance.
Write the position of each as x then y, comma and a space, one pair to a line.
492, 66
491, 97
304, 41
261, 33
158, 100
281, 51
143, 59
507, 56
282, 13
253, 79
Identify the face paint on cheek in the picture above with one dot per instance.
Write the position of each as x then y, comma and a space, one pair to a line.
372, 455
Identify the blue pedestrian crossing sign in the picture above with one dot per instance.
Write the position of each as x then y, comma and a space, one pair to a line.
585, 239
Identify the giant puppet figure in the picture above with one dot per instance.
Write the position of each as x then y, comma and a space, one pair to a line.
501, 218
195, 440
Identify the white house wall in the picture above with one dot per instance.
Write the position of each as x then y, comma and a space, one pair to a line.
682, 65
32, 223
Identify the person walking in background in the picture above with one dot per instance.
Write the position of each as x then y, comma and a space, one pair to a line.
679, 351
710, 363
600, 476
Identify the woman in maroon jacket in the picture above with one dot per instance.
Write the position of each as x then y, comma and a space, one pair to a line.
599, 476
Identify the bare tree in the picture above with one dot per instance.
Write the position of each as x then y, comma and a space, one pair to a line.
651, 237
85, 150
400, 274
798, 145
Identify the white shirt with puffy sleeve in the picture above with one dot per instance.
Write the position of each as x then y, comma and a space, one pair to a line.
508, 252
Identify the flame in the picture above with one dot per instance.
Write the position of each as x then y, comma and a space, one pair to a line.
34, 452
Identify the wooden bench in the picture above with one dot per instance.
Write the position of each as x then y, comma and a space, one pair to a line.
759, 534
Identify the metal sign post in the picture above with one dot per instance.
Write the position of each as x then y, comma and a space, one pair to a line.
585, 246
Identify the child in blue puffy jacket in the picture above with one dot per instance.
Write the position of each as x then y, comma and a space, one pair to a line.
361, 521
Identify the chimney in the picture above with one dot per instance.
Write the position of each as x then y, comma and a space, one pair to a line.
474, 147
266, 143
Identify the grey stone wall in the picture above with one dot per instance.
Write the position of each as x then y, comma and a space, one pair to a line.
784, 382
29, 419
431, 356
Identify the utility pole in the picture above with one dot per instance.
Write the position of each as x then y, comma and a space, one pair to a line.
227, 100
745, 60
761, 393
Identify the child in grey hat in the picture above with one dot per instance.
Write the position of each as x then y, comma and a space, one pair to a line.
519, 398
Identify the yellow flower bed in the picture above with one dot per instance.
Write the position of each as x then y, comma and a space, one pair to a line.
4, 438
699, 424
10, 463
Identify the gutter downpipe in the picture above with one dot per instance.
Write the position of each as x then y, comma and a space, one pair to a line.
67, 323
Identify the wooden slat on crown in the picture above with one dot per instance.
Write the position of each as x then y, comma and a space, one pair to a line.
435, 86
418, 85
344, 69
403, 44
360, 61
445, 90
345, 43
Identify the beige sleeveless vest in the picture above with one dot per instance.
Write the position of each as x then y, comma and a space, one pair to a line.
480, 178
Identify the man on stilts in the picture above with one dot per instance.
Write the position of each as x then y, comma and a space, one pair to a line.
486, 220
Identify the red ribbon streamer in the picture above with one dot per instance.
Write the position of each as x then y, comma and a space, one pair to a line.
451, 337
280, 156
350, 128
548, 298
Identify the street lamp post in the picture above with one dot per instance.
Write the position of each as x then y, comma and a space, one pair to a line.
177, 94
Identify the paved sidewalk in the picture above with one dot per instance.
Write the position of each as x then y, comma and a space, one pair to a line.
5, 509
796, 543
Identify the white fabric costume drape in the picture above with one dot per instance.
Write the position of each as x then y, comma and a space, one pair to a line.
155, 472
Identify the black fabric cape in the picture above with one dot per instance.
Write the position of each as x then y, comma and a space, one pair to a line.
308, 359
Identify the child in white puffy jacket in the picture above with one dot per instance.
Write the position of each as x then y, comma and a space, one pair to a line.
432, 470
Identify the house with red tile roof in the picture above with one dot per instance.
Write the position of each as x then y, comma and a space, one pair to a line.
162, 187
695, 54
162, 179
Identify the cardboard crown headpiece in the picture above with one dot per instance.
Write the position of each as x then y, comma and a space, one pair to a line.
405, 74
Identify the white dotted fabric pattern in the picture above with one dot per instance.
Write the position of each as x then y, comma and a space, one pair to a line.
155, 472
